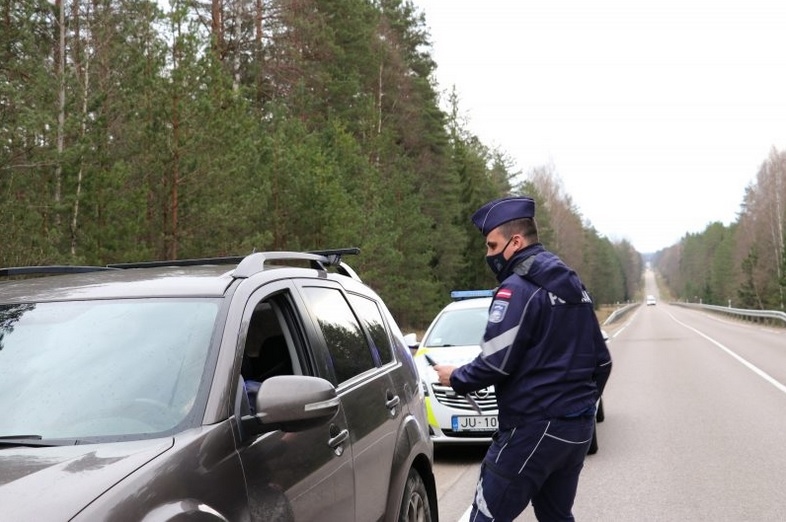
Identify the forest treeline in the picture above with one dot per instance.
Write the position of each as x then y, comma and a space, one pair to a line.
129, 133
743, 264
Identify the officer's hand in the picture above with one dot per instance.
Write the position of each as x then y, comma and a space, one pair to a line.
444, 371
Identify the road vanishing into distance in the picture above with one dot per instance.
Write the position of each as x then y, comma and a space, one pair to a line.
695, 426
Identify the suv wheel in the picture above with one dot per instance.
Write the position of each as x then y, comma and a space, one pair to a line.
414, 504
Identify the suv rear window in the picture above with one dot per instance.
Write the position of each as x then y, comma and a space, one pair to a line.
345, 340
371, 318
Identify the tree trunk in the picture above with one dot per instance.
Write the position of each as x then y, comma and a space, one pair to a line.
60, 68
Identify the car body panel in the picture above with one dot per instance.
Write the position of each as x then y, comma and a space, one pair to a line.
25, 469
201, 477
299, 476
107, 481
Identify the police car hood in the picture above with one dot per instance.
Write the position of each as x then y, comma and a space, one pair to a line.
546, 270
452, 355
29, 474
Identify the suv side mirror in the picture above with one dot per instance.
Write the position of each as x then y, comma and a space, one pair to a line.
293, 403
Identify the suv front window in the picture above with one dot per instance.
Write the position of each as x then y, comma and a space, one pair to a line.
84, 369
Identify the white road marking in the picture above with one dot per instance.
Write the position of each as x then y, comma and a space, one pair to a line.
755, 369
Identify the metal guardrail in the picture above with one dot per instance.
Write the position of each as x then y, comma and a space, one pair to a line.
752, 315
620, 312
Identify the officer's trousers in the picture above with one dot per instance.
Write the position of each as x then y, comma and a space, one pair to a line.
538, 463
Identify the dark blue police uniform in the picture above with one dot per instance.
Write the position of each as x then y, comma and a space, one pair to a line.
545, 354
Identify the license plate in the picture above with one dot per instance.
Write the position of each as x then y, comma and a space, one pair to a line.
474, 422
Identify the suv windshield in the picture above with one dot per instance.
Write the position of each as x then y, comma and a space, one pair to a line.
462, 327
101, 368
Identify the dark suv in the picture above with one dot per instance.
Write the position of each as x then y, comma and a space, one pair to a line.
275, 388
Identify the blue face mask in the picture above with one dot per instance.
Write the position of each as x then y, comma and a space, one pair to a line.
497, 262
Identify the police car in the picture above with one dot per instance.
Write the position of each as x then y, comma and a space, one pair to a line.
454, 338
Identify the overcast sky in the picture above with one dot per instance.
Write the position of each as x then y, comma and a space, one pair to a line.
655, 114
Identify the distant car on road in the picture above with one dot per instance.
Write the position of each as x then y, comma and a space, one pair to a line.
454, 337
651, 300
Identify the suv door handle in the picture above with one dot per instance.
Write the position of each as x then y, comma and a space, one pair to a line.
336, 441
392, 402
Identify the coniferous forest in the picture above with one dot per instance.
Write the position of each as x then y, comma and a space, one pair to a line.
131, 131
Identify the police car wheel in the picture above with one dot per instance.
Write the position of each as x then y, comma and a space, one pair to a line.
593, 448
600, 415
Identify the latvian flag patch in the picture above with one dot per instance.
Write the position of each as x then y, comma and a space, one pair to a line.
504, 293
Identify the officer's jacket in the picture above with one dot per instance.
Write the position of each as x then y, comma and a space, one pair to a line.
543, 349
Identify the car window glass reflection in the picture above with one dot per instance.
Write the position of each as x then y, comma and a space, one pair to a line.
458, 328
89, 369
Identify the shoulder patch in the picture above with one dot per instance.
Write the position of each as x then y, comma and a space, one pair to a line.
504, 293
497, 311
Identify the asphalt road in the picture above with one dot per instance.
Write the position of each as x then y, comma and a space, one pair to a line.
695, 425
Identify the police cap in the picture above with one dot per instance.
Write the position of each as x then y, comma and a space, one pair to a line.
499, 211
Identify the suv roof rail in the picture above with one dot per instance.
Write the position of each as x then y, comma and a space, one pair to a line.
51, 269
246, 265
228, 260
319, 260
80, 269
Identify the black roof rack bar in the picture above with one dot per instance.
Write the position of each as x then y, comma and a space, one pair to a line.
334, 259
51, 269
229, 260
334, 255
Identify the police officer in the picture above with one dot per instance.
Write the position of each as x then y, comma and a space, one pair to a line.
545, 355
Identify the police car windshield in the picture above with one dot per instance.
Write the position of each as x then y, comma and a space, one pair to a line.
463, 327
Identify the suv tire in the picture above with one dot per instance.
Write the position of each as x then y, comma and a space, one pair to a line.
414, 504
